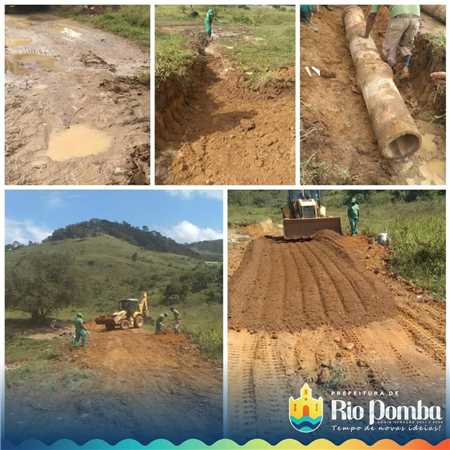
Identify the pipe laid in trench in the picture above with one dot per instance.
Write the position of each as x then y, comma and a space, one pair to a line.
394, 128
436, 11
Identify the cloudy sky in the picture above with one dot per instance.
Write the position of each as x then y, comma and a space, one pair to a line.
186, 216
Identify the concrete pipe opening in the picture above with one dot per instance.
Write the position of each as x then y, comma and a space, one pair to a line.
402, 146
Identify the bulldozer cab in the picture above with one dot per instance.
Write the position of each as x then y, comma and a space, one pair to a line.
307, 209
129, 304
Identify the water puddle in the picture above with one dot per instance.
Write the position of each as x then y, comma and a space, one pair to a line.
76, 142
432, 169
19, 42
17, 64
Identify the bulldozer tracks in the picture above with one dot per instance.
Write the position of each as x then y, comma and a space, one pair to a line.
312, 312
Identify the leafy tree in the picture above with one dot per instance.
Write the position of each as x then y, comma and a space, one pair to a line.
41, 283
175, 293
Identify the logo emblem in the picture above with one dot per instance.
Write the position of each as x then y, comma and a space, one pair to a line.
305, 412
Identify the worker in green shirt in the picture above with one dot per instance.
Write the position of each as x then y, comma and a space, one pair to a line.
81, 332
208, 22
353, 216
403, 27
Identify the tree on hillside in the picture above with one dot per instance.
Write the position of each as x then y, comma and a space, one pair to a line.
175, 293
41, 283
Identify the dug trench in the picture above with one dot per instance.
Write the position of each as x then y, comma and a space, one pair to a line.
125, 383
214, 127
330, 313
77, 104
338, 145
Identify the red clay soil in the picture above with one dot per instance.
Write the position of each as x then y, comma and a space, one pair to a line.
225, 133
330, 313
296, 285
137, 384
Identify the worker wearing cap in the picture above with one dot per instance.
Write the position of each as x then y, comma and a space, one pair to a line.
159, 326
176, 317
403, 27
81, 332
208, 22
353, 216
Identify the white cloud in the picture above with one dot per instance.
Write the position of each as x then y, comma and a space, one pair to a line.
191, 193
55, 200
24, 231
186, 232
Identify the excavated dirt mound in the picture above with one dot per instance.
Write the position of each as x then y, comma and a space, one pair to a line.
403, 351
213, 129
296, 285
138, 384
77, 104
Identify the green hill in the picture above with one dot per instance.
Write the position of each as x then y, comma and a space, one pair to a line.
111, 268
141, 237
211, 250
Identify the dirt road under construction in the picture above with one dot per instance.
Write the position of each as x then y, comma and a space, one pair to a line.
329, 313
142, 385
68, 83
223, 132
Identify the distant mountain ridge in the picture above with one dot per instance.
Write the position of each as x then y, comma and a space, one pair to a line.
141, 237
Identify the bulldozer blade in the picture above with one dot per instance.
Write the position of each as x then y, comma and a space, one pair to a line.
305, 228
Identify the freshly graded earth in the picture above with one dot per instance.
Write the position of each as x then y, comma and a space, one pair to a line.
77, 111
327, 312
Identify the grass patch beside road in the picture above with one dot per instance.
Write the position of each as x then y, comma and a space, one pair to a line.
258, 39
129, 21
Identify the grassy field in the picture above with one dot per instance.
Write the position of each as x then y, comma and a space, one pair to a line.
416, 228
129, 21
260, 39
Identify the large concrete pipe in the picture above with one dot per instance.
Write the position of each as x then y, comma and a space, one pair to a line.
436, 11
394, 128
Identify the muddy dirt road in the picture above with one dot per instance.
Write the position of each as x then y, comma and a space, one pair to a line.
325, 312
338, 145
143, 385
225, 133
76, 110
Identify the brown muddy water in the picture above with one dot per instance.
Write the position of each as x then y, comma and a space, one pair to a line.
76, 142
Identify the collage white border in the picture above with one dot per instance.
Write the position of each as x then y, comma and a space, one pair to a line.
224, 189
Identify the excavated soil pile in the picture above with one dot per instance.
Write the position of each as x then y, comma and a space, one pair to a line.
213, 128
303, 285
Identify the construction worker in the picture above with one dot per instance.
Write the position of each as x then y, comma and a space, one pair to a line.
159, 326
177, 321
353, 216
208, 22
81, 332
403, 27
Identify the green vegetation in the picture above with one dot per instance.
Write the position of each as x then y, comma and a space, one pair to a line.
107, 269
414, 221
259, 39
173, 56
129, 21
41, 283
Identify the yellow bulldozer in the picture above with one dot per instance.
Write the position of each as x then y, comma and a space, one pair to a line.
131, 314
305, 215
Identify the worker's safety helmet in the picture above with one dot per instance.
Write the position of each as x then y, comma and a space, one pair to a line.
353, 200
80, 315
